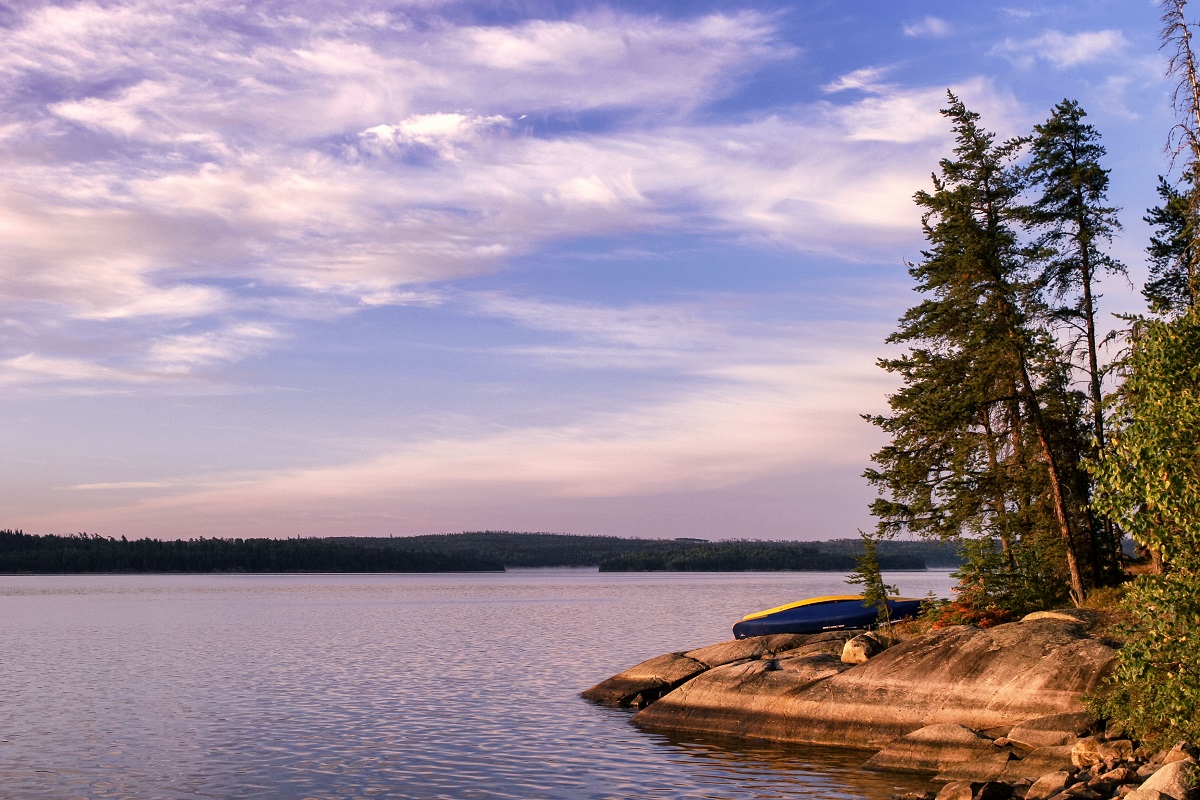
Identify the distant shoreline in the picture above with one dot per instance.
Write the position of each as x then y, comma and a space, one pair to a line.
486, 551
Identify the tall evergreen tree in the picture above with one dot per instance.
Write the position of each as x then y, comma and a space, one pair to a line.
1075, 223
1184, 140
978, 427
1170, 291
1149, 477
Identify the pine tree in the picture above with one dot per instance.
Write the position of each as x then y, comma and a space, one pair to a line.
868, 575
979, 427
1169, 291
1184, 139
1075, 224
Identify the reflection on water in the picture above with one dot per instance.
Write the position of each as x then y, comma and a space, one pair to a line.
379, 686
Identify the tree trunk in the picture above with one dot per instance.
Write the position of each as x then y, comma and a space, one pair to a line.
1061, 512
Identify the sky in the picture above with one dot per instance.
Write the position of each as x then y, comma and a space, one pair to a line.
345, 267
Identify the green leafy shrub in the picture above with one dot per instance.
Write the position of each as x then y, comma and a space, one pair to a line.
1155, 689
1149, 483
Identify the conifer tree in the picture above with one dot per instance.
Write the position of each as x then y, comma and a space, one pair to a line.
979, 427
1075, 223
1169, 291
1184, 141
868, 575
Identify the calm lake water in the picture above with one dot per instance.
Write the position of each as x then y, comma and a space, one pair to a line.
380, 686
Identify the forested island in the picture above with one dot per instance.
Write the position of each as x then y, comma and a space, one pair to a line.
456, 552
616, 554
84, 553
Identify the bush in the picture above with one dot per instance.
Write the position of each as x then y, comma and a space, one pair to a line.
1155, 689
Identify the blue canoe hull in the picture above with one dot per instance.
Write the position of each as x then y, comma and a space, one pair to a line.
828, 616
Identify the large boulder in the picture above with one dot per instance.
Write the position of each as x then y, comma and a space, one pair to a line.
734, 650
983, 768
1040, 762
983, 679
932, 749
644, 683
1175, 780
1051, 730
742, 699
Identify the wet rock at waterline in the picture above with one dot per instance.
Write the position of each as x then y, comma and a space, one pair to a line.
993, 713
641, 684
987, 679
932, 749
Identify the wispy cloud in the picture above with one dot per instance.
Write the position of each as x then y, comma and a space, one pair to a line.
38, 369
929, 26
120, 486
1064, 50
868, 79
183, 353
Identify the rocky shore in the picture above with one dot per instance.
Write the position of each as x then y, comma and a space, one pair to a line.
990, 713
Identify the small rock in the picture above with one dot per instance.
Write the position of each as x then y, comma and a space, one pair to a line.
957, 790
1063, 615
1049, 785
1180, 752
1116, 749
990, 767
1083, 792
1147, 794
657, 675
1085, 752
1041, 762
1115, 730
861, 648
1121, 775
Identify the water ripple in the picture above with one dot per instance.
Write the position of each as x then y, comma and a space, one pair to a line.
461, 687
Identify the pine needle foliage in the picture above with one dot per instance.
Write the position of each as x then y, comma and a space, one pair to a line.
985, 430
868, 575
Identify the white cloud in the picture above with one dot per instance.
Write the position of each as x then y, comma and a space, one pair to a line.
866, 79
182, 353
119, 485
930, 26
332, 169
32, 368
1064, 50
444, 133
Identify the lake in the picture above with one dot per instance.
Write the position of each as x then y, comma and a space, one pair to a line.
461, 686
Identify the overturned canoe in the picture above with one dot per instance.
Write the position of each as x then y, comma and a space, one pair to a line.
818, 614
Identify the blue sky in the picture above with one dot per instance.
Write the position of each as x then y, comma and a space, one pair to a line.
357, 268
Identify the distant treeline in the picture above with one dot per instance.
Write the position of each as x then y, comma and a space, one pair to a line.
27, 553
451, 552
736, 556
614, 554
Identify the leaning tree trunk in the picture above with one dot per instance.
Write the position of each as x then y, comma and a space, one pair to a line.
1061, 512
